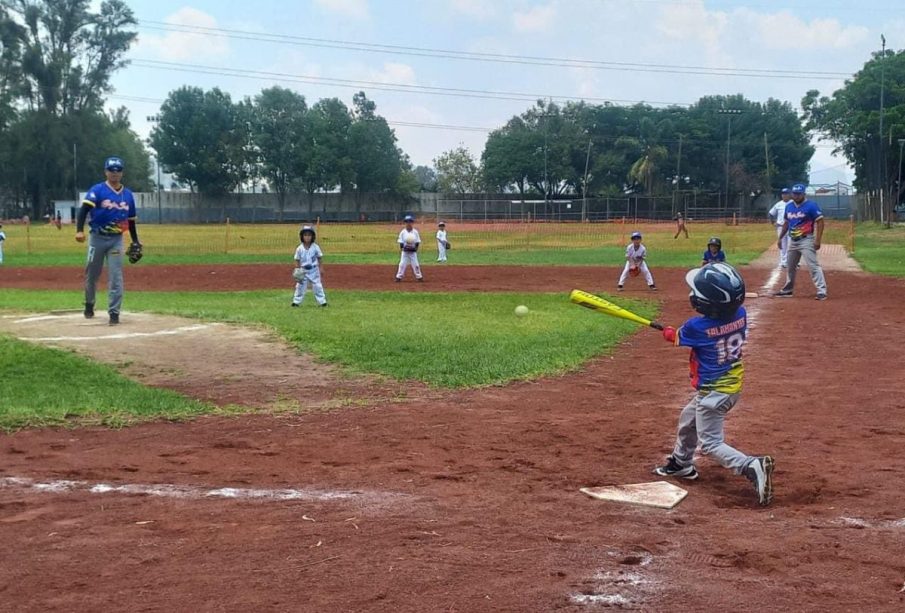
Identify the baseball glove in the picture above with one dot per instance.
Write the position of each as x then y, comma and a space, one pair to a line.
448, 245
410, 247
298, 274
134, 252
634, 271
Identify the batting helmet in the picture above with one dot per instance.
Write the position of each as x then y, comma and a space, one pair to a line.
715, 240
309, 230
717, 290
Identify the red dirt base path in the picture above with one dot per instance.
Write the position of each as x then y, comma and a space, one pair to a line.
469, 501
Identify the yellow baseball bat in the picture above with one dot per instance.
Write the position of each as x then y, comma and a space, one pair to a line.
596, 303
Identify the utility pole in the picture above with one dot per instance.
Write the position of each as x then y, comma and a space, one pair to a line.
767, 161
155, 119
899, 183
678, 178
881, 175
584, 189
729, 113
75, 175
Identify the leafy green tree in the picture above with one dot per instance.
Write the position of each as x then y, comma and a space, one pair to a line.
329, 164
281, 139
202, 137
425, 178
851, 118
458, 172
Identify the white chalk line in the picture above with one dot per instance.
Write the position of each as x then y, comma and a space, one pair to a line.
190, 492
119, 336
767, 288
622, 587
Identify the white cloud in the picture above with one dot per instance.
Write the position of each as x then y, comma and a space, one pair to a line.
693, 23
186, 45
776, 29
394, 72
356, 9
476, 9
535, 19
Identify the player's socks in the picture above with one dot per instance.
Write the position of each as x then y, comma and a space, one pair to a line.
89, 310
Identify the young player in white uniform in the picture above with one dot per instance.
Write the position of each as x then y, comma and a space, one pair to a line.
635, 254
442, 242
2, 238
308, 256
409, 240
777, 215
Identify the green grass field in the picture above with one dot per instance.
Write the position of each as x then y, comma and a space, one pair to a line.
447, 340
44, 387
502, 243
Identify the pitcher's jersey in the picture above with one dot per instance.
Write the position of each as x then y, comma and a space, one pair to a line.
635, 256
715, 362
110, 210
802, 218
308, 257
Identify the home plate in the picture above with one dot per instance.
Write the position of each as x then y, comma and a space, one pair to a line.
660, 494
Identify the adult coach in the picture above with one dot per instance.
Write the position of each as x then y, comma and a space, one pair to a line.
111, 207
804, 225
777, 215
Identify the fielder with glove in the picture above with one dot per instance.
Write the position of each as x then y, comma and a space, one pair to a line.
442, 242
308, 268
111, 208
409, 240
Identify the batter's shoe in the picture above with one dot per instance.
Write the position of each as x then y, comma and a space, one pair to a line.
114, 319
89, 310
760, 472
672, 469
619, 288
820, 297
783, 293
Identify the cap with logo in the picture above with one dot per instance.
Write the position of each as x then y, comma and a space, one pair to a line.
799, 188
785, 190
113, 163
408, 218
636, 235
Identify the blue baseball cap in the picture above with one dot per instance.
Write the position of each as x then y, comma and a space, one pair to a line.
636, 235
113, 163
785, 190
408, 218
799, 188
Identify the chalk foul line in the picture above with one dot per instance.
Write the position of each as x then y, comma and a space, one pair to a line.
191, 492
123, 335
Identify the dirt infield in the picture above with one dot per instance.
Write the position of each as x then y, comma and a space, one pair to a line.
468, 501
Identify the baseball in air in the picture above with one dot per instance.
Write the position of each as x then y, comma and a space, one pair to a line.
521, 310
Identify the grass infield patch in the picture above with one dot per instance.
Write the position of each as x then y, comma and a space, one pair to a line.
447, 340
45, 387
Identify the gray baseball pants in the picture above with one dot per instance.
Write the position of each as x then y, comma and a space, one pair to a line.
701, 421
804, 248
107, 247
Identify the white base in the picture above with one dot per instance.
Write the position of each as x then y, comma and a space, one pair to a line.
660, 494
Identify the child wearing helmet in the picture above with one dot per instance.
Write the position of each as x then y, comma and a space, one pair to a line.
635, 264
714, 251
409, 240
716, 340
308, 268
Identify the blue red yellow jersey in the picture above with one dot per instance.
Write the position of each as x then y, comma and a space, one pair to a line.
715, 363
111, 210
719, 256
802, 218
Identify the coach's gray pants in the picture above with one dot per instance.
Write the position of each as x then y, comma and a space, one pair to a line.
804, 248
701, 421
105, 247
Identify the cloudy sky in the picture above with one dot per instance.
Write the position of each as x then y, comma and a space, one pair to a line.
435, 67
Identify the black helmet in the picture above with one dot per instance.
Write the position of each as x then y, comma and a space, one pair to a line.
310, 230
715, 240
717, 290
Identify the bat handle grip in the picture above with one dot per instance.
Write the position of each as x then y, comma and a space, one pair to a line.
656, 325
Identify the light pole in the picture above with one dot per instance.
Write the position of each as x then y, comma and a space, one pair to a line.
545, 115
584, 189
881, 174
899, 183
729, 113
155, 119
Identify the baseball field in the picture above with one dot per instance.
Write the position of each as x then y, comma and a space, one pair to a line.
418, 447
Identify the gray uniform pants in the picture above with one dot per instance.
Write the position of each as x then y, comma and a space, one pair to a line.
105, 247
804, 248
701, 421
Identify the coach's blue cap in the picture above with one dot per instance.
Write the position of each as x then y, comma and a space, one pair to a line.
799, 188
113, 163
785, 190
408, 218
636, 235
